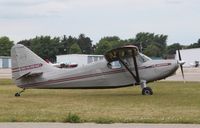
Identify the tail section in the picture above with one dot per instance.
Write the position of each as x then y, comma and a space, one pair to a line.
25, 63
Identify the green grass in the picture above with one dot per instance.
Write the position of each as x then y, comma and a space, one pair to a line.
72, 118
6, 82
172, 102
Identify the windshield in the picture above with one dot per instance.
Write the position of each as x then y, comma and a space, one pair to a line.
143, 58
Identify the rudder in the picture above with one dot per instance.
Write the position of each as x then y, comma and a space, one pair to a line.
25, 62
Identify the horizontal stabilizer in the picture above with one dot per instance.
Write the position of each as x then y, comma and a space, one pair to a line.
26, 63
30, 74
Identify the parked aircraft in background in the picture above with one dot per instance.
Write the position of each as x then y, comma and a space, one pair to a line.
123, 66
195, 64
62, 64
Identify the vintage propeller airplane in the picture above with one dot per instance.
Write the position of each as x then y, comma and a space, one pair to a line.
123, 66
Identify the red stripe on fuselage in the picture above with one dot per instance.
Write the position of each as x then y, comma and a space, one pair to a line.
73, 78
28, 67
89, 76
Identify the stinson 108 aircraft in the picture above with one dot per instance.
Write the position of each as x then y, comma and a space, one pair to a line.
123, 66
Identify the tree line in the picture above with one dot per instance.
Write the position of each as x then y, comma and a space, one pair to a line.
47, 47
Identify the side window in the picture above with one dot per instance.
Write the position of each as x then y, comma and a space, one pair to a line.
114, 65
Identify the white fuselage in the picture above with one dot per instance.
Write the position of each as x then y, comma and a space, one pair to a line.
100, 75
123, 66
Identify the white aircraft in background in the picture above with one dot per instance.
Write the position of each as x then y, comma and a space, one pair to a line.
62, 64
195, 64
30, 71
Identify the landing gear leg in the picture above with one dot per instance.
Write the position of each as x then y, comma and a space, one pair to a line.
19, 93
145, 90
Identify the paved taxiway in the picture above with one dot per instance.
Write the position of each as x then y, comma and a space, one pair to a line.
92, 125
191, 74
5, 73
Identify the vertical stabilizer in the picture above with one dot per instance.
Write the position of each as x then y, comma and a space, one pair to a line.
25, 62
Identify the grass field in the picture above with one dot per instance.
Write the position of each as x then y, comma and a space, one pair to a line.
172, 102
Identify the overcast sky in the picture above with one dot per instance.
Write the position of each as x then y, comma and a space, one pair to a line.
24, 19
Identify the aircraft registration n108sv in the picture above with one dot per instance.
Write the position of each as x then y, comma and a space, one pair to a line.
123, 66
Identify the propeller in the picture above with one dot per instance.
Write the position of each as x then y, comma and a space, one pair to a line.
180, 62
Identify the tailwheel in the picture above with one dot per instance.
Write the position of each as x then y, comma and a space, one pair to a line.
18, 94
147, 91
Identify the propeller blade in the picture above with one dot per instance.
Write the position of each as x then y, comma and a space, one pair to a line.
179, 55
181, 64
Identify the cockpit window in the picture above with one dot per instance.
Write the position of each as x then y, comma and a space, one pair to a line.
143, 58
114, 65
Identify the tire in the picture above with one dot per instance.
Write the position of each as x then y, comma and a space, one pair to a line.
147, 91
17, 94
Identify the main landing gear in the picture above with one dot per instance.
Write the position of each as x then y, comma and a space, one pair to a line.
19, 93
145, 90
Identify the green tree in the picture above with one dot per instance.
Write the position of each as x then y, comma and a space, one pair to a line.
171, 49
152, 50
195, 45
113, 40
75, 49
45, 47
102, 47
85, 43
26, 43
108, 43
66, 43
5, 46
144, 39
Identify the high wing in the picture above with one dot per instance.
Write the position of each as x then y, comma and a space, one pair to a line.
121, 53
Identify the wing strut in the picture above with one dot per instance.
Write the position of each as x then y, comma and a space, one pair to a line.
136, 68
129, 70
136, 77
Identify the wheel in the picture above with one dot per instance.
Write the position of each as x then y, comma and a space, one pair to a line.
147, 91
17, 94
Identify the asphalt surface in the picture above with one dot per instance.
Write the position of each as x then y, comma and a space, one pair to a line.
5, 73
92, 125
190, 74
